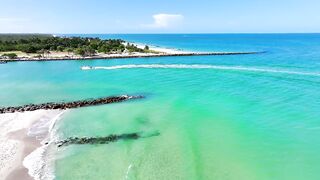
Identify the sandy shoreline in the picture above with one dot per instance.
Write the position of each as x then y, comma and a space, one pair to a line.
163, 50
21, 134
30, 144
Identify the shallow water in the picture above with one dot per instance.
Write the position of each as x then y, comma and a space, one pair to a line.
238, 117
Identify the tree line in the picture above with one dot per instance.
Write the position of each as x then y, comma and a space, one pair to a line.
78, 45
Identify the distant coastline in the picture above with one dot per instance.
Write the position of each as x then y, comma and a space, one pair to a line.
54, 48
122, 56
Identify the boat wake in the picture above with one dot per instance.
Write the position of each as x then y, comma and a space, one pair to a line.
199, 66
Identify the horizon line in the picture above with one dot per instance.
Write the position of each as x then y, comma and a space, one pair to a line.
165, 33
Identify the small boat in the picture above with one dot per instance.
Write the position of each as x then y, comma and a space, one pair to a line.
86, 67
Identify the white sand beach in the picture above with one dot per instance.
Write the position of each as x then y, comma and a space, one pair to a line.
163, 50
21, 134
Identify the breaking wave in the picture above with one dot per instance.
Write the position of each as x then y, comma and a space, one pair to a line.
199, 66
40, 162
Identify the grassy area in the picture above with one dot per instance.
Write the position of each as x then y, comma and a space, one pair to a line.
18, 53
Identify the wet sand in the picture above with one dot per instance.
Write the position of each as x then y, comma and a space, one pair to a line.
30, 144
16, 143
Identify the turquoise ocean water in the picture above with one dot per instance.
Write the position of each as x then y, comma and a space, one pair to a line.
242, 117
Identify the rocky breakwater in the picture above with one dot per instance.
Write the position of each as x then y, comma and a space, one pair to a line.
103, 140
68, 105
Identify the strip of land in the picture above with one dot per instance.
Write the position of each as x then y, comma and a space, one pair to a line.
133, 55
51, 48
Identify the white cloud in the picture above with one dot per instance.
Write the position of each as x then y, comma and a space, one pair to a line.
165, 20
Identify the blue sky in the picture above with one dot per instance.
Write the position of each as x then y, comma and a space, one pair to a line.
159, 16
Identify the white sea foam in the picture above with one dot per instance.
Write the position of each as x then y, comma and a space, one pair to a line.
39, 162
128, 171
35, 163
200, 66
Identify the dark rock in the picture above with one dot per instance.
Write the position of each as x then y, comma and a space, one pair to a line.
101, 140
68, 105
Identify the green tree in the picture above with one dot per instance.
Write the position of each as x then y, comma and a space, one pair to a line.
88, 46
69, 50
42, 51
89, 51
80, 51
60, 48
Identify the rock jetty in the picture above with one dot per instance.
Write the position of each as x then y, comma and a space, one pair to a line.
68, 105
123, 56
103, 140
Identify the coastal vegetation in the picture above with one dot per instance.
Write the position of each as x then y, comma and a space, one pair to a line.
10, 55
83, 46
39, 47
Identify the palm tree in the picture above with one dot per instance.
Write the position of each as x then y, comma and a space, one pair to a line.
69, 50
42, 51
48, 53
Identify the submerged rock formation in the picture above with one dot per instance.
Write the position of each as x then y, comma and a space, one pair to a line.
68, 105
103, 140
